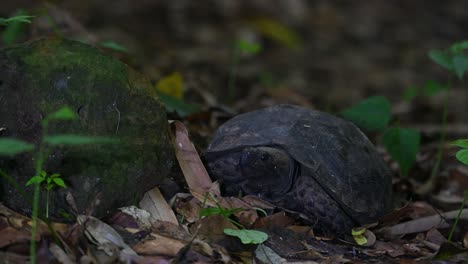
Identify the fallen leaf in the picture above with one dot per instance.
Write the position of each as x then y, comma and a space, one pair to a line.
267, 255
172, 85
194, 171
153, 201
247, 236
159, 245
105, 237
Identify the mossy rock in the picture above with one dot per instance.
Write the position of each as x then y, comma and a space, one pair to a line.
111, 100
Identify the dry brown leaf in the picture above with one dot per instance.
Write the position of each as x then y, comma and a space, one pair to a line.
212, 227
190, 209
278, 220
192, 167
422, 224
171, 230
159, 245
435, 237
153, 201
10, 235
105, 237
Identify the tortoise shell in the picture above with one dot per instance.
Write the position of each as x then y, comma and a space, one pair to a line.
303, 160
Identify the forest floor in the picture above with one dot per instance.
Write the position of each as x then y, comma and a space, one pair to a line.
222, 58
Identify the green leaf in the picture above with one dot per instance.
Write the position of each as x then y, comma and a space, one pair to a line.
463, 143
433, 88
462, 156
35, 179
410, 93
247, 236
181, 107
403, 145
59, 182
11, 146
459, 47
69, 139
372, 114
278, 32
460, 63
210, 211
172, 84
219, 211
17, 18
249, 47
114, 46
65, 113
443, 58
15, 27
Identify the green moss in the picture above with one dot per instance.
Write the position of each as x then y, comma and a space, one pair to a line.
111, 100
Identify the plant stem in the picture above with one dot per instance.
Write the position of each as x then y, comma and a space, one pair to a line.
37, 195
456, 219
429, 185
47, 204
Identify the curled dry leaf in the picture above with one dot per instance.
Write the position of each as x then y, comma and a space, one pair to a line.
192, 167
104, 236
198, 180
153, 201
159, 245
422, 224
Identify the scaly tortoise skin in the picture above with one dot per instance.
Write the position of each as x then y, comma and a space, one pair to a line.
307, 161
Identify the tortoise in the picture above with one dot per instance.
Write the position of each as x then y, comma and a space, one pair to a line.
303, 160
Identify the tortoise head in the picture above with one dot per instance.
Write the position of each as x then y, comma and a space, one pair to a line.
265, 171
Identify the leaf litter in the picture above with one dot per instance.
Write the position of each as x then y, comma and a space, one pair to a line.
157, 232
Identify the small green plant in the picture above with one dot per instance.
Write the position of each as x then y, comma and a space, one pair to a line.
22, 18
11, 147
373, 115
241, 46
170, 91
462, 154
114, 46
14, 26
49, 181
455, 60
247, 236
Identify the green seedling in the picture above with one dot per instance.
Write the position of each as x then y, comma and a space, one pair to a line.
247, 236
278, 32
49, 182
373, 115
22, 18
114, 46
431, 88
14, 26
462, 155
11, 147
240, 47
402, 144
170, 91
455, 61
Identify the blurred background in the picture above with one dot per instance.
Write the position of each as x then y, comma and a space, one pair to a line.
244, 54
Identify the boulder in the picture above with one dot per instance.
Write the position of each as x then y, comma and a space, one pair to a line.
111, 100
